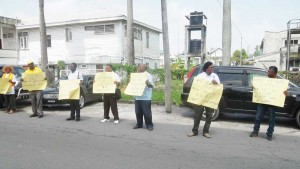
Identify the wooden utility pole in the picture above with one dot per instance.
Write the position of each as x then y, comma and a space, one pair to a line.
43, 43
226, 34
168, 97
130, 38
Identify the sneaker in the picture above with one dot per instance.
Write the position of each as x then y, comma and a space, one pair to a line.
40, 116
105, 120
77, 119
70, 118
206, 135
33, 115
7, 110
12, 111
253, 134
191, 134
116, 121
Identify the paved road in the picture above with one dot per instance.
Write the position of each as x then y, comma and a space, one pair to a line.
53, 143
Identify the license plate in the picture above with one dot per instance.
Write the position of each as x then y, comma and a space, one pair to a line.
51, 101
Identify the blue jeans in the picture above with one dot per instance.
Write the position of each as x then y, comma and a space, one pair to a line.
261, 111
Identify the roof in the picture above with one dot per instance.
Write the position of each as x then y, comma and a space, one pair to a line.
79, 18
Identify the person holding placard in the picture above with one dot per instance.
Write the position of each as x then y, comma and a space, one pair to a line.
263, 108
143, 103
10, 95
35, 95
109, 100
207, 74
74, 104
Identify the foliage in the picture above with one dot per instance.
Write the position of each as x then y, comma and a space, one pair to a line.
60, 66
177, 69
292, 76
237, 54
257, 51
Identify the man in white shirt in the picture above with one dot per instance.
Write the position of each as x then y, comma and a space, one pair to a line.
74, 104
207, 74
109, 100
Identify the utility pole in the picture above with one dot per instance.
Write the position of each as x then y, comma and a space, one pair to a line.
168, 98
43, 43
130, 38
226, 34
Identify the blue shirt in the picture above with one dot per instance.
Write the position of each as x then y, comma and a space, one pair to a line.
147, 95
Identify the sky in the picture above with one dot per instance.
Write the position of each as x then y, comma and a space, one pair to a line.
250, 18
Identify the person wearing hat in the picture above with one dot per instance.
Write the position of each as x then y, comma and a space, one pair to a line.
36, 96
10, 95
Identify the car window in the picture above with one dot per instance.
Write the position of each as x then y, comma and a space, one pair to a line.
254, 73
231, 77
18, 71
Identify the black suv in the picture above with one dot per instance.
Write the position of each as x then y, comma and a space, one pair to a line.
237, 93
20, 93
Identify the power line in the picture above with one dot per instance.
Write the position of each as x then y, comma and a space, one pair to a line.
236, 27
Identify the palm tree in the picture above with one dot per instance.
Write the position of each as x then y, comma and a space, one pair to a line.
226, 35
130, 39
43, 42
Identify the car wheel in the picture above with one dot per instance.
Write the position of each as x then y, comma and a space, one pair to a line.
81, 101
215, 115
298, 118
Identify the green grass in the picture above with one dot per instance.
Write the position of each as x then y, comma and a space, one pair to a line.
158, 94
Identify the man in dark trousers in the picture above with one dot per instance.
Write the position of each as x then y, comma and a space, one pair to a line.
74, 104
109, 100
143, 103
263, 108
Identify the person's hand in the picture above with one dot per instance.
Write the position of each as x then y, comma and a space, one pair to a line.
147, 82
22, 79
45, 78
285, 93
94, 81
115, 82
10, 81
214, 82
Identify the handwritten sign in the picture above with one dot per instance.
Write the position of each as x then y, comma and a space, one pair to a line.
104, 83
34, 81
69, 89
4, 86
137, 84
205, 93
269, 91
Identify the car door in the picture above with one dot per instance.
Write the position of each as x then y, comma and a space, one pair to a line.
234, 90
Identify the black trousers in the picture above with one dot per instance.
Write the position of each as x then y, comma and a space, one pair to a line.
75, 108
143, 108
10, 101
110, 102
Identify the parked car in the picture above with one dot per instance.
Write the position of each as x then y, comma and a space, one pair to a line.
20, 93
50, 94
237, 92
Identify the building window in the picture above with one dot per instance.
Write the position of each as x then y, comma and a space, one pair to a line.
83, 66
293, 42
4, 36
48, 40
23, 40
10, 35
101, 29
147, 39
137, 33
68, 34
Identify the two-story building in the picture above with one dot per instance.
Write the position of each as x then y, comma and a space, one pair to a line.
274, 51
8, 40
91, 42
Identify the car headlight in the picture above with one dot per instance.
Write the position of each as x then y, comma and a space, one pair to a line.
50, 96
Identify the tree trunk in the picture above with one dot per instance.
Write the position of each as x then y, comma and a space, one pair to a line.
168, 96
130, 38
226, 35
43, 43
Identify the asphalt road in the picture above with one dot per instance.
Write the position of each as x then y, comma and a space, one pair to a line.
53, 143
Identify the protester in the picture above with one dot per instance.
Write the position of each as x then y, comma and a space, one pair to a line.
10, 95
208, 75
109, 100
143, 103
74, 104
36, 96
263, 108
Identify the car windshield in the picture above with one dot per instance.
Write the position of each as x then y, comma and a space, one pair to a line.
18, 71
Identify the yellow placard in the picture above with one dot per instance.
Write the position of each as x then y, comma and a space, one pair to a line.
104, 83
269, 91
69, 89
4, 86
205, 93
34, 81
137, 84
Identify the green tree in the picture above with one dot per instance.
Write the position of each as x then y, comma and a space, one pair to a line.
257, 51
236, 56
